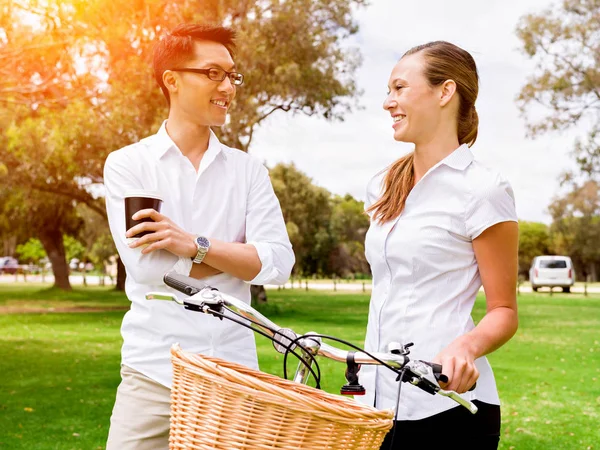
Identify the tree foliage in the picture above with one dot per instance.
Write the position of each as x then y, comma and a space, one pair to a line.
48, 218
564, 41
575, 229
76, 80
534, 240
327, 232
31, 251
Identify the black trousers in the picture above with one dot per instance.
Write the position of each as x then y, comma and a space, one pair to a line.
455, 428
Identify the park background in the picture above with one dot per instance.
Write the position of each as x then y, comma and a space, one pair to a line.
76, 84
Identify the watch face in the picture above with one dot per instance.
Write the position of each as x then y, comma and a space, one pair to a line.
202, 242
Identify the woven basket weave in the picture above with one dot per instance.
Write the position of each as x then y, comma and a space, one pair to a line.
217, 404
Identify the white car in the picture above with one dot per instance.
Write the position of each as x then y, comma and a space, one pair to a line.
552, 271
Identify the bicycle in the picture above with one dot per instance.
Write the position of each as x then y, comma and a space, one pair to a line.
205, 299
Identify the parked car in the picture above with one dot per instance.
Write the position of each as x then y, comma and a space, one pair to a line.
552, 271
8, 264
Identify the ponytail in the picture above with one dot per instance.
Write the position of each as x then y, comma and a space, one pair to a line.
398, 183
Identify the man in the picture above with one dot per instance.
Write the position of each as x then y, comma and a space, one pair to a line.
220, 221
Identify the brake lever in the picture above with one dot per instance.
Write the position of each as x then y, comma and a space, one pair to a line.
204, 301
458, 399
163, 296
422, 376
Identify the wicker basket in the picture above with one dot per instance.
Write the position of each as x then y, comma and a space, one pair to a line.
217, 404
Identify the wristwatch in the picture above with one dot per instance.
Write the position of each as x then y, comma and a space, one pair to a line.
202, 246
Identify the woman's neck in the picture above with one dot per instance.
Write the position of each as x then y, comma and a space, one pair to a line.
429, 153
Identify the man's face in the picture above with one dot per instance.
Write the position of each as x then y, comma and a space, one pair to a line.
198, 98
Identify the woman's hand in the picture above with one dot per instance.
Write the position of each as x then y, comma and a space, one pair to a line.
458, 364
166, 235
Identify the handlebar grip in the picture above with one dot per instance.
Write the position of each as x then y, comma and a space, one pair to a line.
184, 284
437, 368
437, 373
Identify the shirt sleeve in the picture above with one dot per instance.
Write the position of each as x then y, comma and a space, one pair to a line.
265, 230
491, 204
143, 269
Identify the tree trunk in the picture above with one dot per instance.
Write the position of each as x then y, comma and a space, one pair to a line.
259, 295
592, 275
52, 241
10, 244
121, 274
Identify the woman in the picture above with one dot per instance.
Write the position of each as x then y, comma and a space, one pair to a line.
442, 225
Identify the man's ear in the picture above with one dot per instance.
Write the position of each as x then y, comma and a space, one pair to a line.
447, 92
171, 81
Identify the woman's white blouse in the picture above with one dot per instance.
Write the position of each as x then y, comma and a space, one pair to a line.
426, 278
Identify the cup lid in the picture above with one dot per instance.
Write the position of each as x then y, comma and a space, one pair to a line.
143, 193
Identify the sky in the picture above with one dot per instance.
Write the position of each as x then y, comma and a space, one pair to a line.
343, 156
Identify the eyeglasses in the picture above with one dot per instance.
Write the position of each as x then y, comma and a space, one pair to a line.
216, 74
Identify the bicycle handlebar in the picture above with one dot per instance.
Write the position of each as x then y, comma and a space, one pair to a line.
206, 299
205, 296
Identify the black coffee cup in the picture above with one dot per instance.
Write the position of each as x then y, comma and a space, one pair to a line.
136, 201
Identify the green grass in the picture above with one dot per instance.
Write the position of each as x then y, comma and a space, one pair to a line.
38, 295
60, 371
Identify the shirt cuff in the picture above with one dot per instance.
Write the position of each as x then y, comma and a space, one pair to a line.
183, 266
267, 271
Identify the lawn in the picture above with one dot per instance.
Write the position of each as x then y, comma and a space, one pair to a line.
60, 370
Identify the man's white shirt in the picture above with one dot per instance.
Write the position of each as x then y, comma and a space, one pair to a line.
426, 278
229, 198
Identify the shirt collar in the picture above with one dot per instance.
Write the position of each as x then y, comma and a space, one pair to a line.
162, 143
460, 158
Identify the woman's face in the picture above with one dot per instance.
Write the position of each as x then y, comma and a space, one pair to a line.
413, 104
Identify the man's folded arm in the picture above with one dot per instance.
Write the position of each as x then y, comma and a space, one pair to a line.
143, 269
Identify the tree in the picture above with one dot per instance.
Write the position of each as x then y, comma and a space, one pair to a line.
348, 226
37, 50
31, 251
292, 56
11, 234
291, 53
306, 211
327, 232
534, 240
97, 241
33, 177
102, 252
565, 43
575, 230
73, 248
47, 218
94, 233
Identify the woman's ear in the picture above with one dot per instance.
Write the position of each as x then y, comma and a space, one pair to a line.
447, 92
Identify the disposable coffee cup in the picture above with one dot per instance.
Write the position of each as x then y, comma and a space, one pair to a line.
136, 201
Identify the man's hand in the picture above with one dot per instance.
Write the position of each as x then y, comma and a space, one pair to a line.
166, 235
